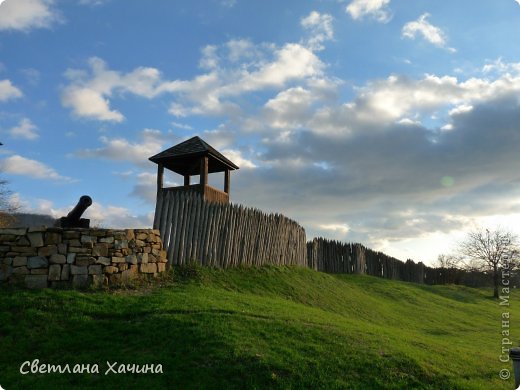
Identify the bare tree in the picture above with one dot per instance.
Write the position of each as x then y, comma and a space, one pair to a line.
7, 208
448, 261
490, 251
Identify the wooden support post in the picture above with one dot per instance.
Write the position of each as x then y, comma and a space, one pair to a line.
203, 175
160, 177
186, 180
227, 177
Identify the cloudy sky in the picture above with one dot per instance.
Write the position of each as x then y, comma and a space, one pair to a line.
394, 123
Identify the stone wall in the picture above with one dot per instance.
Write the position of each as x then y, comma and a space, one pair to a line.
40, 257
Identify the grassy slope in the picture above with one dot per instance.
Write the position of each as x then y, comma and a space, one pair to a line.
266, 327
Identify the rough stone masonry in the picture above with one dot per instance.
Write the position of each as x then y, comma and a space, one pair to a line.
40, 257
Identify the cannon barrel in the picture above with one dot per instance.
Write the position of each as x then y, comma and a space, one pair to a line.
75, 214
73, 218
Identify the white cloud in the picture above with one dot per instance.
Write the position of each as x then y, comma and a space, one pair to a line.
25, 129
86, 102
27, 14
240, 49
501, 67
292, 62
428, 31
320, 28
518, 1
18, 165
376, 9
89, 97
209, 58
120, 149
342, 228
237, 157
290, 108
8, 91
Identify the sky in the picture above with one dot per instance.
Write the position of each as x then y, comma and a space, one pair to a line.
393, 123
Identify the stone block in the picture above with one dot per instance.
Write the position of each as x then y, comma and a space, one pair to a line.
65, 272
62, 248
141, 236
37, 229
39, 271
142, 258
71, 234
161, 267
36, 281
121, 244
85, 260
15, 232
88, 239
100, 249
58, 259
116, 259
80, 281
52, 238
74, 249
98, 233
103, 260
7, 238
23, 241
54, 272
122, 266
37, 262
107, 240
36, 239
71, 258
48, 250
23, 270
131, 259
127, 275
149, 268
74, 242
26, 250
94, 270
130, 234
7, 261
19, 261
110, 269
75, 270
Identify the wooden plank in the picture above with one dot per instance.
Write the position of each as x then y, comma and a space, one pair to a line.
168, 217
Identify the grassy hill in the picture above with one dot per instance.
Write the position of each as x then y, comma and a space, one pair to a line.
260, 328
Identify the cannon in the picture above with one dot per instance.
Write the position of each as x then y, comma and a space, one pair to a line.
73, 219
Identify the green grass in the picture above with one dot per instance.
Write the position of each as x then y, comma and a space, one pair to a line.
267, 327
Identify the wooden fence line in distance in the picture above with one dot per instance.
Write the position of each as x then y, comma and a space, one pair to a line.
337, 257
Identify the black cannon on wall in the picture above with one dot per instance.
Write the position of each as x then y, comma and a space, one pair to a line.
73, 219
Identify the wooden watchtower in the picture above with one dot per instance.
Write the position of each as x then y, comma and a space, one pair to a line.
194, 157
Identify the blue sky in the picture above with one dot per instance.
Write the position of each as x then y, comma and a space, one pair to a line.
393, 123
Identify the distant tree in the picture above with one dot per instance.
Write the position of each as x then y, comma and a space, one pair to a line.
448, 261
7, 207
491, 252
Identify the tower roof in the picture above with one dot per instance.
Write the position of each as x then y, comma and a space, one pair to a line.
184, 158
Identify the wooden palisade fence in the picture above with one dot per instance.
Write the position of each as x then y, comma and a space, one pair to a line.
225, 235
338, 257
